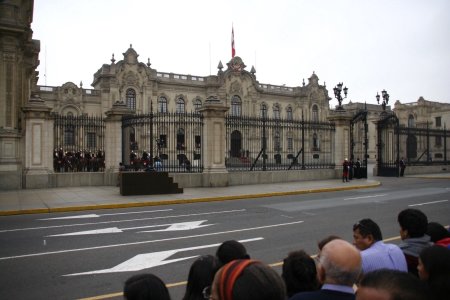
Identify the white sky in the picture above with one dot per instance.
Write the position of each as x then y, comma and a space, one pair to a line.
402, 46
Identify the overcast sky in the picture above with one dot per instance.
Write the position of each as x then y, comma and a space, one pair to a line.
402, 46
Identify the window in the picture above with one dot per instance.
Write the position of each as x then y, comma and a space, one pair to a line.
162, 105
131, 99
70, 114
411, 122
316, 142
197, 104
198, 141
263, 111
438, 121
91, 140
236, 105
276, 111
69, 135
290, 144
180, 139
180, 108
289, 115
277, 142
315, 113
162, 142
438, 141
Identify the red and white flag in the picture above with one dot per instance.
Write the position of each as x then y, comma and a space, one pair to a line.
233, 51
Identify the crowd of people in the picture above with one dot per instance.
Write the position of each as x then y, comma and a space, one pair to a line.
367, 269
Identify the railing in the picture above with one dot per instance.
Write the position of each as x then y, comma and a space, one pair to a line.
169, 142
78, 144
276, 144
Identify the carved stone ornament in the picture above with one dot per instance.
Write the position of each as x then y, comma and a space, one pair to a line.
236, 88
236, 64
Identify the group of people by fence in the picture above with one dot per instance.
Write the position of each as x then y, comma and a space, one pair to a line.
416, 269
78, 161
351, 169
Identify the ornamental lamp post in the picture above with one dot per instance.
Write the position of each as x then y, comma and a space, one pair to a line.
338, 94
385, 97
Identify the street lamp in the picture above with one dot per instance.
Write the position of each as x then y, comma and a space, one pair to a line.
337, 93
385, 96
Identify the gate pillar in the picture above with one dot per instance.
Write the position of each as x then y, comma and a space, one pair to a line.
341, 119
38, 144
214, 135
113, 136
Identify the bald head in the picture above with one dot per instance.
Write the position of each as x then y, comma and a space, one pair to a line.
340, 263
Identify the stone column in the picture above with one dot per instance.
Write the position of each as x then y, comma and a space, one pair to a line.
215, 172
341, 119
38, 144
113, 140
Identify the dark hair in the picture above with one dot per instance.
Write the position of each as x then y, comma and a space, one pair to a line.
246, 279
145, 287
201, 275
436, 261
231, 250
326, 240
400, 285
299, 273
368, 227
437, 232
414, 221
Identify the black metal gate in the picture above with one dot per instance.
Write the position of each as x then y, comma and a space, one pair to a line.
170, 142
359, 144
388, 145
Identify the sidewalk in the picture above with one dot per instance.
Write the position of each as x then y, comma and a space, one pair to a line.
103, 197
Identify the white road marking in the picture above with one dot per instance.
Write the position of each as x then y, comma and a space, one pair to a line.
171, 227
120, 221
426, 203
364, 197
153, 259
148, 242
103, 215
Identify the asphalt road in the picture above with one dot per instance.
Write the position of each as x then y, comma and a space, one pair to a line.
91, 254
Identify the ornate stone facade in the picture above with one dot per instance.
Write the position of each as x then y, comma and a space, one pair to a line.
18, 62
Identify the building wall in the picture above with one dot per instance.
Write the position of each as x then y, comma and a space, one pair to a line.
18, 62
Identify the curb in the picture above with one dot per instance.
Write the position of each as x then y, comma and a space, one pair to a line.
182, 201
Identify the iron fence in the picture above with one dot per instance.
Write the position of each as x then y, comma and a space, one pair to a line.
78, 143
169, 142
278, 144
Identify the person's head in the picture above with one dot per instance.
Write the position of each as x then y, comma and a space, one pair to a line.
434, 264
246, 279
386, 284
201, 275
437, 231
145, 287
365, 233
231, 250
299, 273
339, 263
413, 223
326, 240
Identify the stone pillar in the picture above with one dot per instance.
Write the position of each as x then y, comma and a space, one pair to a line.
113, 139
341, 119
214, 142
38, 144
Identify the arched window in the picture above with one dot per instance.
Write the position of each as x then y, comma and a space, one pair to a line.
276, 111
162, 104
289, 114
70, 114
411, 122
131, 99
236, 105
263, 111
315, 113
277, 141
197, 104
180, 106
